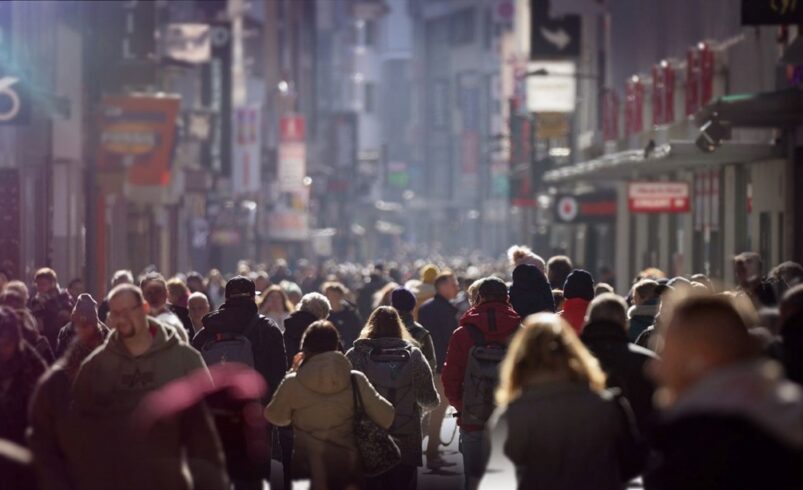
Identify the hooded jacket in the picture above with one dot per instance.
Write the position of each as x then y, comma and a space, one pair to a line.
624, 363
439, 317
640, 318
294, 328
530, 292
739, 427
235, 316
318, 401
507, 321
425, 396
109, 387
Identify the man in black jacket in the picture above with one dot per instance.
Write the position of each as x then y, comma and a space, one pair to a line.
439, 316
605, 335
238, 315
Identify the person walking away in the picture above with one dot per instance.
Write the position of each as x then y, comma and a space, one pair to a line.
154, 288
556, 426
522, 254
84, 316
578, 291
178, 294
215, 288
729, 419
624, 363
530, 292
51, 305
11, 298
404, 301
558, 269
274, 304
343, 315
312, 307
122, 276
55, 435
439, 316
140, 356
395, 366
365, 296
646, 302
470, 373
236, 332
198, 307
317, 399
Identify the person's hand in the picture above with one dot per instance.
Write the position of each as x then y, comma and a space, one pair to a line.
297, 360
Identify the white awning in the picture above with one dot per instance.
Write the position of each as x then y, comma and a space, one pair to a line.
666, 158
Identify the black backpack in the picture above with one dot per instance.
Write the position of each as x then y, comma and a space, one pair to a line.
230, 347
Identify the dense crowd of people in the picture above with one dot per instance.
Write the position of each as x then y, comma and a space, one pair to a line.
345, 375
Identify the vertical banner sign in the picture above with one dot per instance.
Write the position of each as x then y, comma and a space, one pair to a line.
217, 97
289, 218
610, 115
657, 95
692, 81
634, 105
138, 134
247, 166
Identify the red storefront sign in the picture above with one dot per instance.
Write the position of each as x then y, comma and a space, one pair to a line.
663, 93
292, 129
634, 106
658, 197
699, 77
610, 115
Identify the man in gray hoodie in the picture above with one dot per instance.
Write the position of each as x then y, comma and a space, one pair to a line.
141, 356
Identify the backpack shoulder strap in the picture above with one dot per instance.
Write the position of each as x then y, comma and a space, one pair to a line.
476, 334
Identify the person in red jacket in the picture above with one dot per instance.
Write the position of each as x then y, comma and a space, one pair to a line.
497, 321
578, 291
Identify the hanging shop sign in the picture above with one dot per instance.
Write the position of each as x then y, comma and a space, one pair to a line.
554, 89
553, 37
658, 197
246, 173
585, 208
137, 135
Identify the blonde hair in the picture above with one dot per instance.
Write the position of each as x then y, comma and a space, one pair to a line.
473, 292
546, 349
385, 322
262, 301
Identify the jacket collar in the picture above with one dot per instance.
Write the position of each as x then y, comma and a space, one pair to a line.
604, 330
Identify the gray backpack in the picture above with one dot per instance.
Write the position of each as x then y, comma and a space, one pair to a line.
482, 375
391, 373
230, 347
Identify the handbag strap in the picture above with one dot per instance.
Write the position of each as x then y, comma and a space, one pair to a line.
355, 391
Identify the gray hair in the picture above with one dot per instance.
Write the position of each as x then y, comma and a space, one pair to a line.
198, 295
122, 276
608, 307
316, 304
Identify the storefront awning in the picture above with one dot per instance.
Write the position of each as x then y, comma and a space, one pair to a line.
666, 158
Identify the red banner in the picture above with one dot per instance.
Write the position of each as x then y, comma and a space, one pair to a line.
634, 106
138, 133
658, 197
663, 94
610, 116
292, 129
706, 73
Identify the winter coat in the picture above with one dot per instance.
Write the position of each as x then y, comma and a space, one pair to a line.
625, 364
56, 432
67, 335
574, 312
318, 401
425, 396
530, 292
739, 428
18, 379
422, 336
641, 317
170, 320
294, 328
53, 310
454, 370
439, 317
348, 323
30, 332
109, 387
183, 314
267, 344
562, 435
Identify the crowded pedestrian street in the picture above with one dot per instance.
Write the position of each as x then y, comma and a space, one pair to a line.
401, 244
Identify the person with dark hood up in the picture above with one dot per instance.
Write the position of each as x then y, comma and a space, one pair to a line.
578, 291
646, 302
485, 328
558, 269
530, 292
84, 316
56, 435
312, 307
20, 368
139, 357
624, 363
317, 399
344, 315
729, 419
51, 305
395, 366
404, 301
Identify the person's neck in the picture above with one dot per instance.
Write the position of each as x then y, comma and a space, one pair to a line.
140, 343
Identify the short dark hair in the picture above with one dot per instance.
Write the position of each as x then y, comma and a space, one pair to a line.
558, 268
442, 278
319, 337
152, 277
492, 289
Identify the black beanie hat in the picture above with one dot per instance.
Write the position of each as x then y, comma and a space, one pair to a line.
403, 300
579, 284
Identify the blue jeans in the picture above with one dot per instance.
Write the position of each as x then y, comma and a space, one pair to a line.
476, 451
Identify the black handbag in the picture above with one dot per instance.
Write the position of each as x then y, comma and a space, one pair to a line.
377, 449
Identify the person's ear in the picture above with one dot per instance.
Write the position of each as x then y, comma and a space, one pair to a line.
146, 308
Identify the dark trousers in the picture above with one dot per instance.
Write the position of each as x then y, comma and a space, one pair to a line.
401, 477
